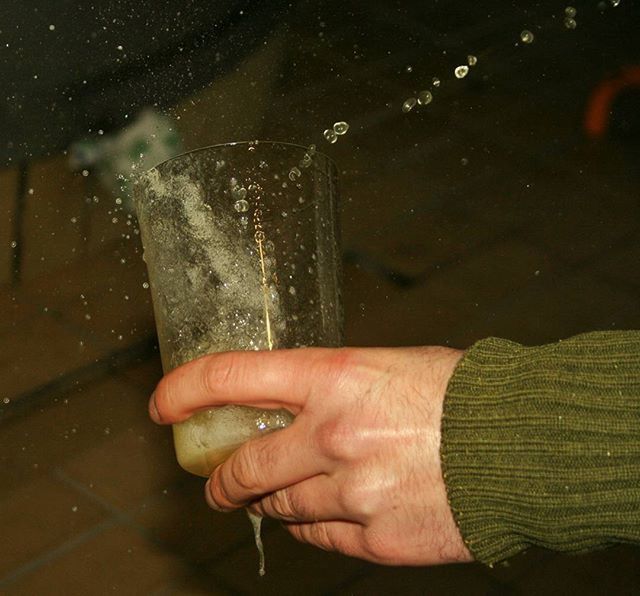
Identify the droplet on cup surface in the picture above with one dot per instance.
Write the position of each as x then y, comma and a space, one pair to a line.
241, 205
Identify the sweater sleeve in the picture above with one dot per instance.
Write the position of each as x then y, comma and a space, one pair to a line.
541, 445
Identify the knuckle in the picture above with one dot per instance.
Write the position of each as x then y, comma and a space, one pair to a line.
165, 399
336, 440
245, 471
282, 505
220, 370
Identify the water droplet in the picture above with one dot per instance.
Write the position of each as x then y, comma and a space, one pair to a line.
74, 508
241, 205
461, 71
425, 97
409, 104
239, 192
145, 285
435, 81
340, 128
85, 173
472, 60
570, 11
120, 48
330, 135
570, 23
615, 2
14, 243
292, 290
30, 191
294, 174
311, 149
526, 36
408, 69
464, 161
6, 400
87, 317
107, 430
118, 201
52, 27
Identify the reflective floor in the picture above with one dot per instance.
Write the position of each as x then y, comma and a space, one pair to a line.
487, 212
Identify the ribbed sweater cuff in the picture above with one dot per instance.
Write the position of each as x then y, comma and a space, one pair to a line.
541, 445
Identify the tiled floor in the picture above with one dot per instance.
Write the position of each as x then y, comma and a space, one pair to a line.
484, 213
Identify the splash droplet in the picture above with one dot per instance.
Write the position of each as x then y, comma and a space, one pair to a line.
330, 135
461, 71
570, 11
615, 2
425, 97
570, 23
435, 81
409, 104
340, 128
472, 60
526, 36
409, 69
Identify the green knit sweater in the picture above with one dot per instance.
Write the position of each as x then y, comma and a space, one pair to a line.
541, 445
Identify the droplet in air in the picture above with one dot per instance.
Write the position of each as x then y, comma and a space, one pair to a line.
570, 11
409, 104
570, 23
472, 60
526, 36
14, 244
425, 97
85, 173
340, 128
330, 135
292, 290
52, 27
615, 2
6, 400
294, 174
435, 81
461, 71
120, 48
241, 205
409, 69
145, 285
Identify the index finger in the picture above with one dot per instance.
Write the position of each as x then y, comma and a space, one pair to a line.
276, 379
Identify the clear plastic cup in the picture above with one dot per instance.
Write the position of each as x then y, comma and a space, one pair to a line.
241, 246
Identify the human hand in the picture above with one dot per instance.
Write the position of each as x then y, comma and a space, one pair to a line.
358, 471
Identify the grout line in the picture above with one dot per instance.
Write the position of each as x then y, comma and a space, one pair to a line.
56, 552
22, 403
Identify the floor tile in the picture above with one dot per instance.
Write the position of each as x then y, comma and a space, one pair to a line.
614, 571
8, 188
115, 561
39, 516
290, 566
133, 465
37, 351
442, 580
554, 307
45, 436
179, 518
51, 232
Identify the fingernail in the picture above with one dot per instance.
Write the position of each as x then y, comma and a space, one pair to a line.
153, 409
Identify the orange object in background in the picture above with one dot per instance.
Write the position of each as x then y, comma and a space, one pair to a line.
598, 110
